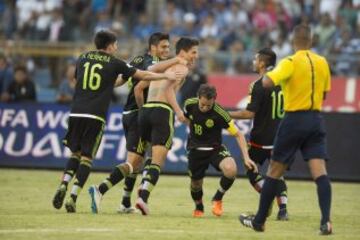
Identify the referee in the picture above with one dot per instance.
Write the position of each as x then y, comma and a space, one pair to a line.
305, 79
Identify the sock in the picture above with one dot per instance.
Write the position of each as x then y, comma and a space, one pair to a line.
128, 188
119, 172
267, 195
150, 181
324, 196
225, 184
70, 169
281, 194
256, 180
196, 195
145, 170
82, 175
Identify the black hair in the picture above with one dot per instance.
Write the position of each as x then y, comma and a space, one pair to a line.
268, 56
157, 37
208, 91
104, 38
185, 44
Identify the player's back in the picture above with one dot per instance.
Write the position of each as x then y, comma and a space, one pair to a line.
157, 88
96, 73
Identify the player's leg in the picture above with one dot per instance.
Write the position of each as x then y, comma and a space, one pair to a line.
70, 169
198, 162
196, 191
255, 178
90, 142
228, 167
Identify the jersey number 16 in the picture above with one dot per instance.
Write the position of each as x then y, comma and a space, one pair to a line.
92, 81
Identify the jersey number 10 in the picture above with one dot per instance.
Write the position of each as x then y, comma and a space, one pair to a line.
277, 105
92, 81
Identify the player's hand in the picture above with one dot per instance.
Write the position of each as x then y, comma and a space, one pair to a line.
182, 61
249, 164
181, 117
174, 76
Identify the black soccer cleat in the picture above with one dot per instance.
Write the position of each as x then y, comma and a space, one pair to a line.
248, 221
326, 229
282, 215
58, 199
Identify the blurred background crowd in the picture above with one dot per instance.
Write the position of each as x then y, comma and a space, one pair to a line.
40, 39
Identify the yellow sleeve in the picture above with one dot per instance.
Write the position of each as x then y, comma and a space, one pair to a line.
282, 71
232, 129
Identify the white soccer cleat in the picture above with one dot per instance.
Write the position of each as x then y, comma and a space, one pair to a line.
142, 206
126, 210
95, 196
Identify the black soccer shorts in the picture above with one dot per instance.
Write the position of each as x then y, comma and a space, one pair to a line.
132, 133
84, 135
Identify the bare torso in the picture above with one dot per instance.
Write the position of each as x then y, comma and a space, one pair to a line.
157, 88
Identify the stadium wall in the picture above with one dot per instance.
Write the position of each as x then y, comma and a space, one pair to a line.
31, 135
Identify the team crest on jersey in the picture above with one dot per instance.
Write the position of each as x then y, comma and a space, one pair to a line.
209, 123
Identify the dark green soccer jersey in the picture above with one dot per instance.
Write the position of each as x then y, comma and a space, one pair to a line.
205, 128
140, 62
96, 73
267, 104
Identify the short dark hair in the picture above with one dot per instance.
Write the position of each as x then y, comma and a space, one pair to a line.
208, 91
21, 68
185, 44
302, 35
104, 38
268, 56
157, 37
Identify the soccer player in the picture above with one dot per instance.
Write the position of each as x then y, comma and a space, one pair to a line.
156, 118
204, 146
266, 108
304, 79
96, 74
159, 47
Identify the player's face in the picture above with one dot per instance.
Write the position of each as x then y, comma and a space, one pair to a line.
205, 104
256, 63
192, 55
113, 47
163, 49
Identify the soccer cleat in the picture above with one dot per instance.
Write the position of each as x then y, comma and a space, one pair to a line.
126, 210
217, 208
142, 206
198, 213
70, 206
248, 221
326, 229
95, 196
282, 215
59, 197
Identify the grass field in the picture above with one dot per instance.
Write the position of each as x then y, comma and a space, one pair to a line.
26, 211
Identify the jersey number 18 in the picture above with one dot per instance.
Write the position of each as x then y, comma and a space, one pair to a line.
93, 81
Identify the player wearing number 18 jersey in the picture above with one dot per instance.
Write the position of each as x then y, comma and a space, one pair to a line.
97, 72
265, 107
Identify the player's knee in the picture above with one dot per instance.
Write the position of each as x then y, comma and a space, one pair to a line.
196, 185
229, 168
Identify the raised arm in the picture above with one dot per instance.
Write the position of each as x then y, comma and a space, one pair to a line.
163, 65
242, 114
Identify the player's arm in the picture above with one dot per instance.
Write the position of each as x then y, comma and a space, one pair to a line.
241, 141
119, 81
163, 65
139, 92
242, 114
279, 74
150, 76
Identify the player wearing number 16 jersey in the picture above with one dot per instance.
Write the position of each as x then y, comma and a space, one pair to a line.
265, 107
97, 72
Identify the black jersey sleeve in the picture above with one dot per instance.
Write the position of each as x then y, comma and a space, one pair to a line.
125, 69
224, 116
256, 95
187, 105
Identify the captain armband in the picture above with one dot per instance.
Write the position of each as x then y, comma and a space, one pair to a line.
232, 129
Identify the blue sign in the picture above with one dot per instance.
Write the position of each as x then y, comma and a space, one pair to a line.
31, 136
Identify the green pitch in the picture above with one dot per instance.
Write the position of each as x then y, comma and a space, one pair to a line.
26, 211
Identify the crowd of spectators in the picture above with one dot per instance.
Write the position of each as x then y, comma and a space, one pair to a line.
230, 30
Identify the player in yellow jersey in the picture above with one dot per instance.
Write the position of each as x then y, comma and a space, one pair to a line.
305, 79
